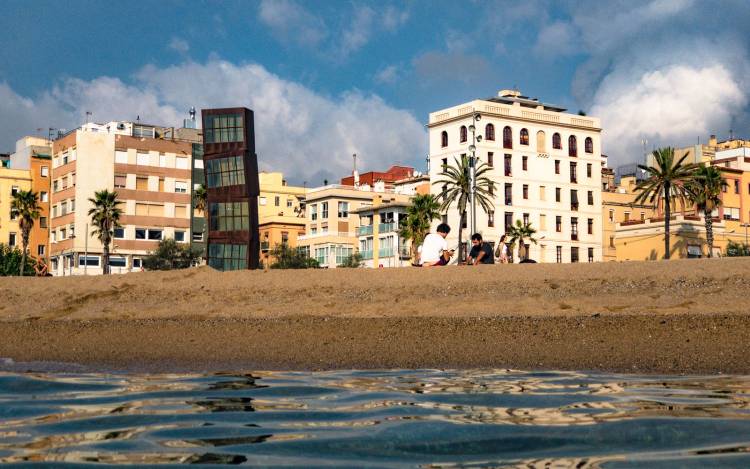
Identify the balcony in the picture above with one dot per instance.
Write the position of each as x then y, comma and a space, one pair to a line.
366, 255
387, 227
385, 252
364, 230
574, 207
573, 180
574, 236
340, 234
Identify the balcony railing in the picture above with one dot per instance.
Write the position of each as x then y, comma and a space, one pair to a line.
364, 230
340, 234
574, 207
386, 227
366, 254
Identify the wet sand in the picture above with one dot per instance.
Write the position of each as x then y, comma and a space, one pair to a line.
658, 317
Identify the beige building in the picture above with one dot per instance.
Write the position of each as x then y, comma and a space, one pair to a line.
152, 177
546, 165
378, 239
619, 209
11, 181
332, 220
281, 213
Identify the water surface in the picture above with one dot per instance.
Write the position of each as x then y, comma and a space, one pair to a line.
399, 418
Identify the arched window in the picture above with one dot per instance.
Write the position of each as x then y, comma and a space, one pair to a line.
489, 132
588, 145
556, 141
463, 136
541, 142
572, 146
444, 139
524, 137
507, 137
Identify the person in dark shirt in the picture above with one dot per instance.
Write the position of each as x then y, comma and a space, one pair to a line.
481, 252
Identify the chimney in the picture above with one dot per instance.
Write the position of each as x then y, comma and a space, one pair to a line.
355, 173
712, 141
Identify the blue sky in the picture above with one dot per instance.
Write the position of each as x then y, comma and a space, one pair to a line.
329, 78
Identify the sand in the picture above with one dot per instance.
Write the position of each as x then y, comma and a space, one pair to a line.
682, 316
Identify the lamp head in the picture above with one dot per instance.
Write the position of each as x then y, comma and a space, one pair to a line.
472, 148
472, 128
478, 117
479, 138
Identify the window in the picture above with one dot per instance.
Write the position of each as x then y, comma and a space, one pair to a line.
137, 262
121, 181
490, 159
588, 145
141, 131
574, 229
489, 132
149, 210
72, 205
44, 171
121, 157
590, 226
525, 191
12, 239
181, 211
141, 183
65, 159
525, 163
140, 233
162, 160
508, 221
508, 194
541, 142
64, 208
574, 254
40, 249
611, 241
558, 224
611, 215
181, 163
542, 193
44, 196
54, 211
343, 209
731, 213
463, 134
643, 216
90, 261
573, 172
55, 187
289, 203
277, 201
736, 186
119, 233
198, 163
590, 197
524, 137
573, 199
558, 250
557, 166
626, 216
525, 218
118, 261
507, 137
141, 159
542, 221
179, 236
229, 171
314, 212
444, 139
285, 237
558, 193
572, 146
588, 170
591, 254
221, 128
491, 219
42, 222
227, 256
324, 210
508, 165
154, 235
229, 216
180, 187
556, 141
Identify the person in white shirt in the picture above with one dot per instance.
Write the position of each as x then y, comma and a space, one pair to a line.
435, 249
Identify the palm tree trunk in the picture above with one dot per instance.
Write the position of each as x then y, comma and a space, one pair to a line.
24, 245
709, 231
105, 256
667, 214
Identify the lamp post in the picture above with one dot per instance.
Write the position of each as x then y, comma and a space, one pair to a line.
476, 117
745, 225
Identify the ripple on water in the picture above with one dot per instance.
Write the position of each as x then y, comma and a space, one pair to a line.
376, 418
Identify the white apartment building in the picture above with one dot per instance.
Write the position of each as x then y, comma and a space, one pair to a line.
546, 165
152, 177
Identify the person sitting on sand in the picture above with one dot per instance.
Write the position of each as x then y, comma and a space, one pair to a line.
481, 252
435, 249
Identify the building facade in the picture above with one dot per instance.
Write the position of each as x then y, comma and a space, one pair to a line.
231, 168
378, 235
198, 217
11, 181
152, 178
281, 212
546, 166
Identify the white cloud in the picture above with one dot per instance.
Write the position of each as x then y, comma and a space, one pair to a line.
555, 40
181, 46
290, 22
358, 31
393, 18
298, 131
388, 75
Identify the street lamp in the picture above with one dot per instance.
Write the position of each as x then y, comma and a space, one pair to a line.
476, 117
745, 225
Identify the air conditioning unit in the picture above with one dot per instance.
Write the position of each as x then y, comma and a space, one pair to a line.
120, 126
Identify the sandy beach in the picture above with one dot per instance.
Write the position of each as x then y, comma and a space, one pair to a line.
683, 316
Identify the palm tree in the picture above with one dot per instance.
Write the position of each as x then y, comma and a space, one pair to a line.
667, 183
419, 215
201, 198
457, 189
25, 207
705, 192
105, 216
519, 233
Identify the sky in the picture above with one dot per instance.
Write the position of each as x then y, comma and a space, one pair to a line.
328, 78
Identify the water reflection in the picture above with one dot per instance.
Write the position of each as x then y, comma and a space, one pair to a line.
475, 418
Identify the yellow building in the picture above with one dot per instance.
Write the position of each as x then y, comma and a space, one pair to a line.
281, 213
618, 207
11, 181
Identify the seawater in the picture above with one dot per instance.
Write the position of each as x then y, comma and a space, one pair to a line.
395, 418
